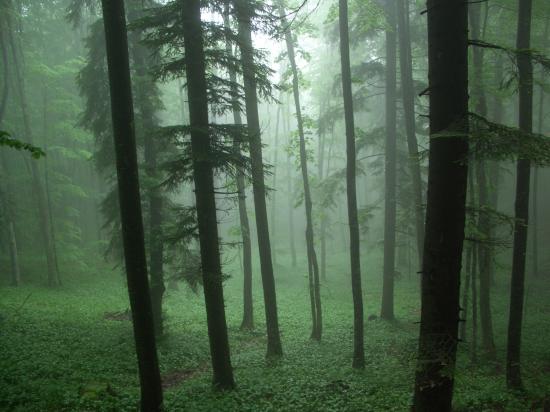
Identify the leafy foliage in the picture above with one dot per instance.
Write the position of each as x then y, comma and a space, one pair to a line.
8, 141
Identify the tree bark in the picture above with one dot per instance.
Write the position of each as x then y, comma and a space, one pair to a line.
387, 311
313, 265
513, 371
243, 12
351, 170
407, 86
203, 177
445, 213
114, 19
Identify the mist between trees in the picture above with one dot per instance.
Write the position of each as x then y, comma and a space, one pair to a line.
272, 205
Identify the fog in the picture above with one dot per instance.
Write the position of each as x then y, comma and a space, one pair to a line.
274, 206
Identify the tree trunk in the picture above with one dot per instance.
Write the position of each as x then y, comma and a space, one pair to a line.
12, 239
248, 308
465, 292
483, 224
445, 213
535, 211
290, 192
351, 168
473, 275
390, 165
323, 217
43, 214
407, 86
274, 188
244, 12
146, 92
313, 266
513, 372
114, 19
203, 177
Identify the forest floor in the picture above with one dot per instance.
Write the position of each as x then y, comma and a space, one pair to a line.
71, 349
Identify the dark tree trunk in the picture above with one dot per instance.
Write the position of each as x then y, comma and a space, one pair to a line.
465, 291
130, 204
146, 92
43, 213
483, 223
473, 275
351, 167
203, 177
248, 308
445, 213
313, 265
244, 11
407, 86
513, 372
390, 164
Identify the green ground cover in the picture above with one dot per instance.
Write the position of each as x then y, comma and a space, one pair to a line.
71, 349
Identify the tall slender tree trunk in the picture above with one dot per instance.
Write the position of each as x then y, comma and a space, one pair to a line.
203, 177
43, 214
12, 239
145, 92
390, 164
248, 308
473, 275
114, 19
45, 132
323, 228
274, 188
351, 174
494, 166
465, 293
289, 189
445, 213
483, 223
513, 371
244, 12
313, 265
407, 86
535, 210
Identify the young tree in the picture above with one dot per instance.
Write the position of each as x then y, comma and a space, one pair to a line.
390, 165
313, 265
513, 371
195, 69
351, 168
445, 214
114, 19
244, 11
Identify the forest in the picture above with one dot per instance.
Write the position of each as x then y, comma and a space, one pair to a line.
274, 205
